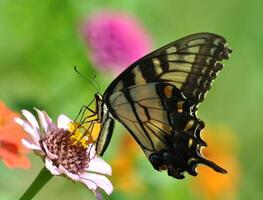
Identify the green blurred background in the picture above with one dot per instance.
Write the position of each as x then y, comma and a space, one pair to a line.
40, 44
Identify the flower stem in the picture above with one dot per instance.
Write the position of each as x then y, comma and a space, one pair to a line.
43, 177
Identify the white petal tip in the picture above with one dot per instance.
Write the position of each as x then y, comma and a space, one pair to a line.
52, 168
19, 121
63, 121
30, 145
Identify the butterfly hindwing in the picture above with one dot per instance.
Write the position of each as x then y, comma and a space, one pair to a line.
135, 106
162, 122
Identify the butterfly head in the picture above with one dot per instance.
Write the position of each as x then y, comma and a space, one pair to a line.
99, 106
98, 97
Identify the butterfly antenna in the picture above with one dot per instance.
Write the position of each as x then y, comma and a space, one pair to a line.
96, 88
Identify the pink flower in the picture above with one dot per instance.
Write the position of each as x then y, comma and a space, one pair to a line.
115, 39
65, 151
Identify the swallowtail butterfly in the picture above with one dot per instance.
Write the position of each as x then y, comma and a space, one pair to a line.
156, 99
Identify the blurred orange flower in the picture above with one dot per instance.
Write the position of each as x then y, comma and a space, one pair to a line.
12, 152
221, 150
123, 167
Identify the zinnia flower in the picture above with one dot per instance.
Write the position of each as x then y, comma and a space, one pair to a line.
12, 152
65, 150
115, 39
222, 149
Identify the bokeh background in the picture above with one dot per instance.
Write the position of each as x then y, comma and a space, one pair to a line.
41, 42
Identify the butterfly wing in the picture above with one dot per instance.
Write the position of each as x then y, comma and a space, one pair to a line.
190, 63
157, 96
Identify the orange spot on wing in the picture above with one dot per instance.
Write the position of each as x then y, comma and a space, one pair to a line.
168, 91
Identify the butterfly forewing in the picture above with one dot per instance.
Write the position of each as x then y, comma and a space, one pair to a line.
190, 63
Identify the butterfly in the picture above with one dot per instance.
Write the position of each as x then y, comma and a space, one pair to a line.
156, 100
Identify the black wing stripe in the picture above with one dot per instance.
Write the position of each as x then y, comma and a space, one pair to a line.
139, 130
151, 118
148, 70
140, 138
167, 128
154, 132
162, 130
129, 80
164, 62
129, 99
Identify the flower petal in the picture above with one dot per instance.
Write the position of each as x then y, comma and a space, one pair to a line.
63, 122
30, 145
89, 183
49, 154
51, 125
100, 166
27, 128
31, 119
43, 121
100, 180
74, 177
91, 151
52, 168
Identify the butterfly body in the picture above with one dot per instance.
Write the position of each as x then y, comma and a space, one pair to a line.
156, 99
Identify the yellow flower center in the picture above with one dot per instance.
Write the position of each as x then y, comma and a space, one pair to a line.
84, 134
80, 135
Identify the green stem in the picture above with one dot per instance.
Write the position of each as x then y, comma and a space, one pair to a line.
43, 177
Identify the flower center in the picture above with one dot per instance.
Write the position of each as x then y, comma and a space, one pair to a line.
80, 134
69, 147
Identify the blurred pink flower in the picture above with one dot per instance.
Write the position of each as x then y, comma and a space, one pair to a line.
66, 151
115, 39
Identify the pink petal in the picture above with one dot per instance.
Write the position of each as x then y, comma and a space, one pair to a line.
63, 122
42, 120
52, 168
31, 119
51, 125
30, 145
90, 184
100, 166
27, 128
74, 177
49, 154
91, 151
100, 180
